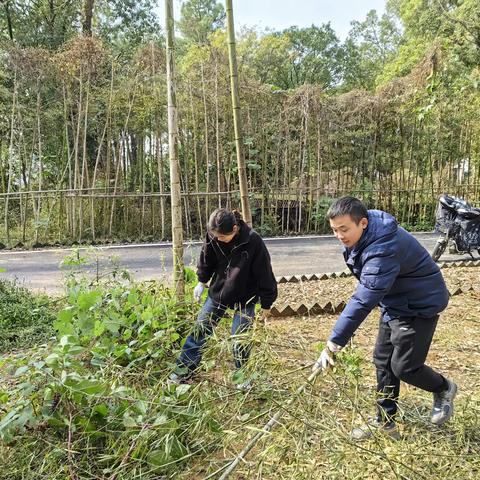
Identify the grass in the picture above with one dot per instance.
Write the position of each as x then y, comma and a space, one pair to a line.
26, 319
214, 421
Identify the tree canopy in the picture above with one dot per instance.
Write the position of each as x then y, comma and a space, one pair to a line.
390, 113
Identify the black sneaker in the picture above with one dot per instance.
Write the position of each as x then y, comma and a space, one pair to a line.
374, 426
443, 404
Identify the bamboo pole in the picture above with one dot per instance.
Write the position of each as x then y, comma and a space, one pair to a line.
40, 162
232, 56
195, 158
206, 142
176, 199
10, 157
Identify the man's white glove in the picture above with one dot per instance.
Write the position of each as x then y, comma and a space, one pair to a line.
197, 292
327, 357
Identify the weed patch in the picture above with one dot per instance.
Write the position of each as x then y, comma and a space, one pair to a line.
26, 319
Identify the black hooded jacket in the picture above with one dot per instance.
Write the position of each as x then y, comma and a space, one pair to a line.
240, 271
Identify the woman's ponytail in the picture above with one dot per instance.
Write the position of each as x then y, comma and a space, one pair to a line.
238, 216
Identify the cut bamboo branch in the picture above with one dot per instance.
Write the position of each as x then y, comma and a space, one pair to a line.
270, 425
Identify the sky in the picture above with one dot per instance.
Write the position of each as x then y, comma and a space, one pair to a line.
280, 14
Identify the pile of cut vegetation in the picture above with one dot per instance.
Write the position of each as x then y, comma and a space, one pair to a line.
95, 403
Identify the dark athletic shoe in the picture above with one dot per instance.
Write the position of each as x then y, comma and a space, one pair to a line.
442, 409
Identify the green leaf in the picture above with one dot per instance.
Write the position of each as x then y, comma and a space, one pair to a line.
160, 420
52, 360
99, 328
66, 315
91, 387
147, 315
87, 300
112, 324
238, 377
21, 370
101, 409
157, 458
182, 389
128, 421
64, 323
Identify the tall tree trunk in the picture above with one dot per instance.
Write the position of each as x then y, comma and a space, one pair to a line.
10, 159
195, 159
242, 174
84, 173
9, 20
159, 155
175, 192
97, 161
207, 146
40, 165
217, 135
76, 168
87, 19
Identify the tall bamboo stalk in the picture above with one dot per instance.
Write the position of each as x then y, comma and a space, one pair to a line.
175, 191
10, 158
242, 173
40, 162
207, 144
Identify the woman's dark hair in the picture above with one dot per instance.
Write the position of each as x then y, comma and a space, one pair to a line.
348, 206
222, 220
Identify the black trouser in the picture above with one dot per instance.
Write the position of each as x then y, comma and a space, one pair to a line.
400, 352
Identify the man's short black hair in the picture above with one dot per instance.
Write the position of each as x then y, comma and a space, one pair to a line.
348, 206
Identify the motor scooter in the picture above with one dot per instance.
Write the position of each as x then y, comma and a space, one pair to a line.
458, 223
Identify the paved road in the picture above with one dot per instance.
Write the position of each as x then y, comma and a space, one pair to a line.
40, 269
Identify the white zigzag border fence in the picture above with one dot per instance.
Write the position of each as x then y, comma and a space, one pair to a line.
331, 308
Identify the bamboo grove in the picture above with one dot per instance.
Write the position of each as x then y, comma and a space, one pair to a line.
84, 141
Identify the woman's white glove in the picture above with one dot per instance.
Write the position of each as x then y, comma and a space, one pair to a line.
327, 357
197, 292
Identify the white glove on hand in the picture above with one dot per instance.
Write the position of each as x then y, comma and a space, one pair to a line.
197, 292
327, 357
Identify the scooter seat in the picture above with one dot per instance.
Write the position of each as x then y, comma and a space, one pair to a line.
470, 214
453, 203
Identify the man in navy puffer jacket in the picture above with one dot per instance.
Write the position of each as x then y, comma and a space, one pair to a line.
396, 273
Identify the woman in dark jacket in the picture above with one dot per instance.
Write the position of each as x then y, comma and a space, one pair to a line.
236, 262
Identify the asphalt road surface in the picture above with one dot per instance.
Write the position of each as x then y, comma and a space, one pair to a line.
41, 270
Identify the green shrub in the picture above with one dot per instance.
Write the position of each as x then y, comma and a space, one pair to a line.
26, 318
103, 379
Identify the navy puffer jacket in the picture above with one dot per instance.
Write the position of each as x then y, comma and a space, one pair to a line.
395, 272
